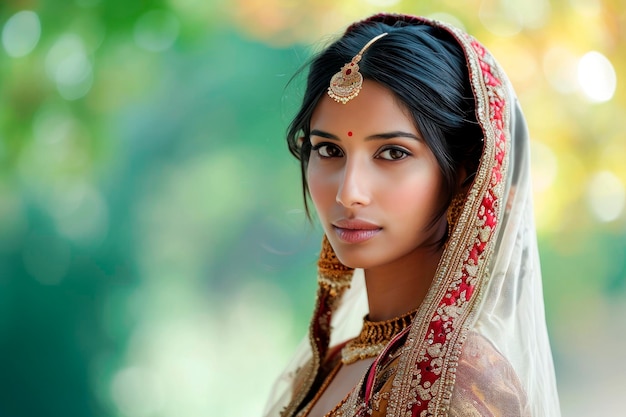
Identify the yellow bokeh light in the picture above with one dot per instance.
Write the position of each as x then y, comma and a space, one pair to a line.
606, 196
596, 77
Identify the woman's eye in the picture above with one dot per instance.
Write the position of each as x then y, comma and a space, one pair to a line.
393, 154
327, 150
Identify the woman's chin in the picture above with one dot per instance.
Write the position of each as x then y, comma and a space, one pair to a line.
355, 261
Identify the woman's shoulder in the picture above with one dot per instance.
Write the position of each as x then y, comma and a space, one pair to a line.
486, 383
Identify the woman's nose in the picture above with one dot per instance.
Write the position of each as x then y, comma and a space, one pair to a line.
354, 186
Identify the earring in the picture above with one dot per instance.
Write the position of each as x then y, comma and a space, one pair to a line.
333, 276
454, 211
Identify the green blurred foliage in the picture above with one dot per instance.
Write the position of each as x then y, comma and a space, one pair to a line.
161, 175
155, 259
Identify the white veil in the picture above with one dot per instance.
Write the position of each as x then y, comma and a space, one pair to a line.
511, 315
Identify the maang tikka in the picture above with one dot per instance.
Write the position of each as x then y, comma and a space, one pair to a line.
346, 84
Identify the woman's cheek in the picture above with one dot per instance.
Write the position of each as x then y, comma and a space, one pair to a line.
318, 186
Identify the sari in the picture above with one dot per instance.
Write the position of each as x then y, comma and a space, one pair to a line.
478, 344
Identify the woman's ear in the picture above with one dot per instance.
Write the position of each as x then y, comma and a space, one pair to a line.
461, 178
467, 181
464, 179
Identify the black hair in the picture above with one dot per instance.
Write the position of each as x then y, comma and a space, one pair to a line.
425, 68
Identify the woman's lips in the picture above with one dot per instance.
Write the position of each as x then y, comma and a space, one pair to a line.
355, 231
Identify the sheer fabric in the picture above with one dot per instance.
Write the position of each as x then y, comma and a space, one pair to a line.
478, 345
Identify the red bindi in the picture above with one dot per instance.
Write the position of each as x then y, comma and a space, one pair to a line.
350, 133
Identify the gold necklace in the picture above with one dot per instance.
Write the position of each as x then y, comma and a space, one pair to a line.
374, 336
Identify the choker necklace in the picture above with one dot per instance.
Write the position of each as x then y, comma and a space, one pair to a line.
374, 337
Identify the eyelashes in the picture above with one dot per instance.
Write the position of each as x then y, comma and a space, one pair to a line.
327, 150
393, 153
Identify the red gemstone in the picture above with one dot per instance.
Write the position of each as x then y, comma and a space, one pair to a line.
348, 71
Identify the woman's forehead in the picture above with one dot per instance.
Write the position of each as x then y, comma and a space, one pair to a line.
376, 109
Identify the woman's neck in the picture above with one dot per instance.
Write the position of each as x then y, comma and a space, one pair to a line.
401, 286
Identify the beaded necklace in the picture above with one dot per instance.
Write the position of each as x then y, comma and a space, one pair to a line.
374, 336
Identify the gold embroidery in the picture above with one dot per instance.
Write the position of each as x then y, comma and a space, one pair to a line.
334, 279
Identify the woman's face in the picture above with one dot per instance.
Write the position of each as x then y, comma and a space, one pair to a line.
375, 183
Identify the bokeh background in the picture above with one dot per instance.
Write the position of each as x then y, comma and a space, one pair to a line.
154, 255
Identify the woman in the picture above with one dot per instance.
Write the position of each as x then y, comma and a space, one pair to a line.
414, 151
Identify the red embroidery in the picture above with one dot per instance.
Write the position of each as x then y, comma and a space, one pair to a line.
462, 290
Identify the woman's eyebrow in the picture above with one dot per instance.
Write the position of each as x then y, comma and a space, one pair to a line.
396, 134
323, 134
377, 136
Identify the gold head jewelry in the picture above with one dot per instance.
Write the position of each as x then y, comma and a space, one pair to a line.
346, 84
